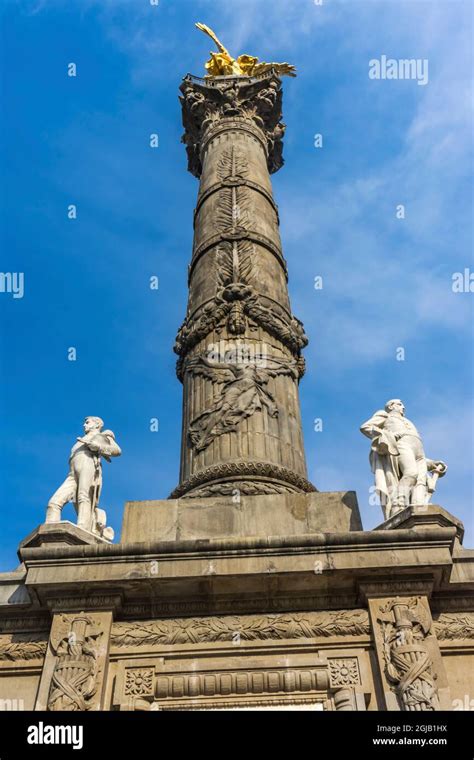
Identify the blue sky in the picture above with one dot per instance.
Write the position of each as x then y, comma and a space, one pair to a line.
387, 281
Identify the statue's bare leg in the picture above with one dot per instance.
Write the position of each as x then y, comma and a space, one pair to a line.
65, 493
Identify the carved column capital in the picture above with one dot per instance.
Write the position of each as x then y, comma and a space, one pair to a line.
250, 103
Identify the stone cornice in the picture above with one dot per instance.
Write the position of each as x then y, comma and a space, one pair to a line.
360, 541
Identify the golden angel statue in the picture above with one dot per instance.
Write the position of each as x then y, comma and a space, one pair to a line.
223, 64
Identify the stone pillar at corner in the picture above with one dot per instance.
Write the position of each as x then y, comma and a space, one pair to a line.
240, 346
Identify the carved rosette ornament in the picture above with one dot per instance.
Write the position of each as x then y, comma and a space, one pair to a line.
408, 664
239, 347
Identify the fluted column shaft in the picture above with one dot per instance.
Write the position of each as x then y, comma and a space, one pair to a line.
239, 346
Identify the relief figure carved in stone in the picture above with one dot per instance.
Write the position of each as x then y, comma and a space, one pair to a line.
243, 392
408, 664
74, 679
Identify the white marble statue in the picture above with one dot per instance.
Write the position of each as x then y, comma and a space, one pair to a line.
83, 483
403, 474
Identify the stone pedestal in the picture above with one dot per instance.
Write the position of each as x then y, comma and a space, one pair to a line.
246, 516
418, 516
63, 533
199, 608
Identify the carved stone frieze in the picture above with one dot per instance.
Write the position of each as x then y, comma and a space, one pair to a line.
92, 602
155, 633
145, 688
240, 298
169, 608
31, 622
242, 487
449, 627
23, 646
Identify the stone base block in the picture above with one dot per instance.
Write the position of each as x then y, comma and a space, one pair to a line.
418, 516
260, 516
63, 533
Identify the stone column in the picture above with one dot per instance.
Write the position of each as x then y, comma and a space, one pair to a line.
240, 346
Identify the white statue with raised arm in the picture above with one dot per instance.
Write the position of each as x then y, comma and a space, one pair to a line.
83, 483
403, 474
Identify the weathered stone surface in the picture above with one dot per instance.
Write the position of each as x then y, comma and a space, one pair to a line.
62, 533
423, 516
411, 668
231, 610
276, 515
75, 668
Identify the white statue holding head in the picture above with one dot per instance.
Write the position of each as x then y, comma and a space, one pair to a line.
83, 483
403, 474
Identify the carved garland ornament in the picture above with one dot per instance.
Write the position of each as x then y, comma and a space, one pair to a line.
23, 646
243, 487
248, 628
451, 626
242, 470
273, 319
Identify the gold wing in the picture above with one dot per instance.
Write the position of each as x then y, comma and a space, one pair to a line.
207, 30
285, 69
